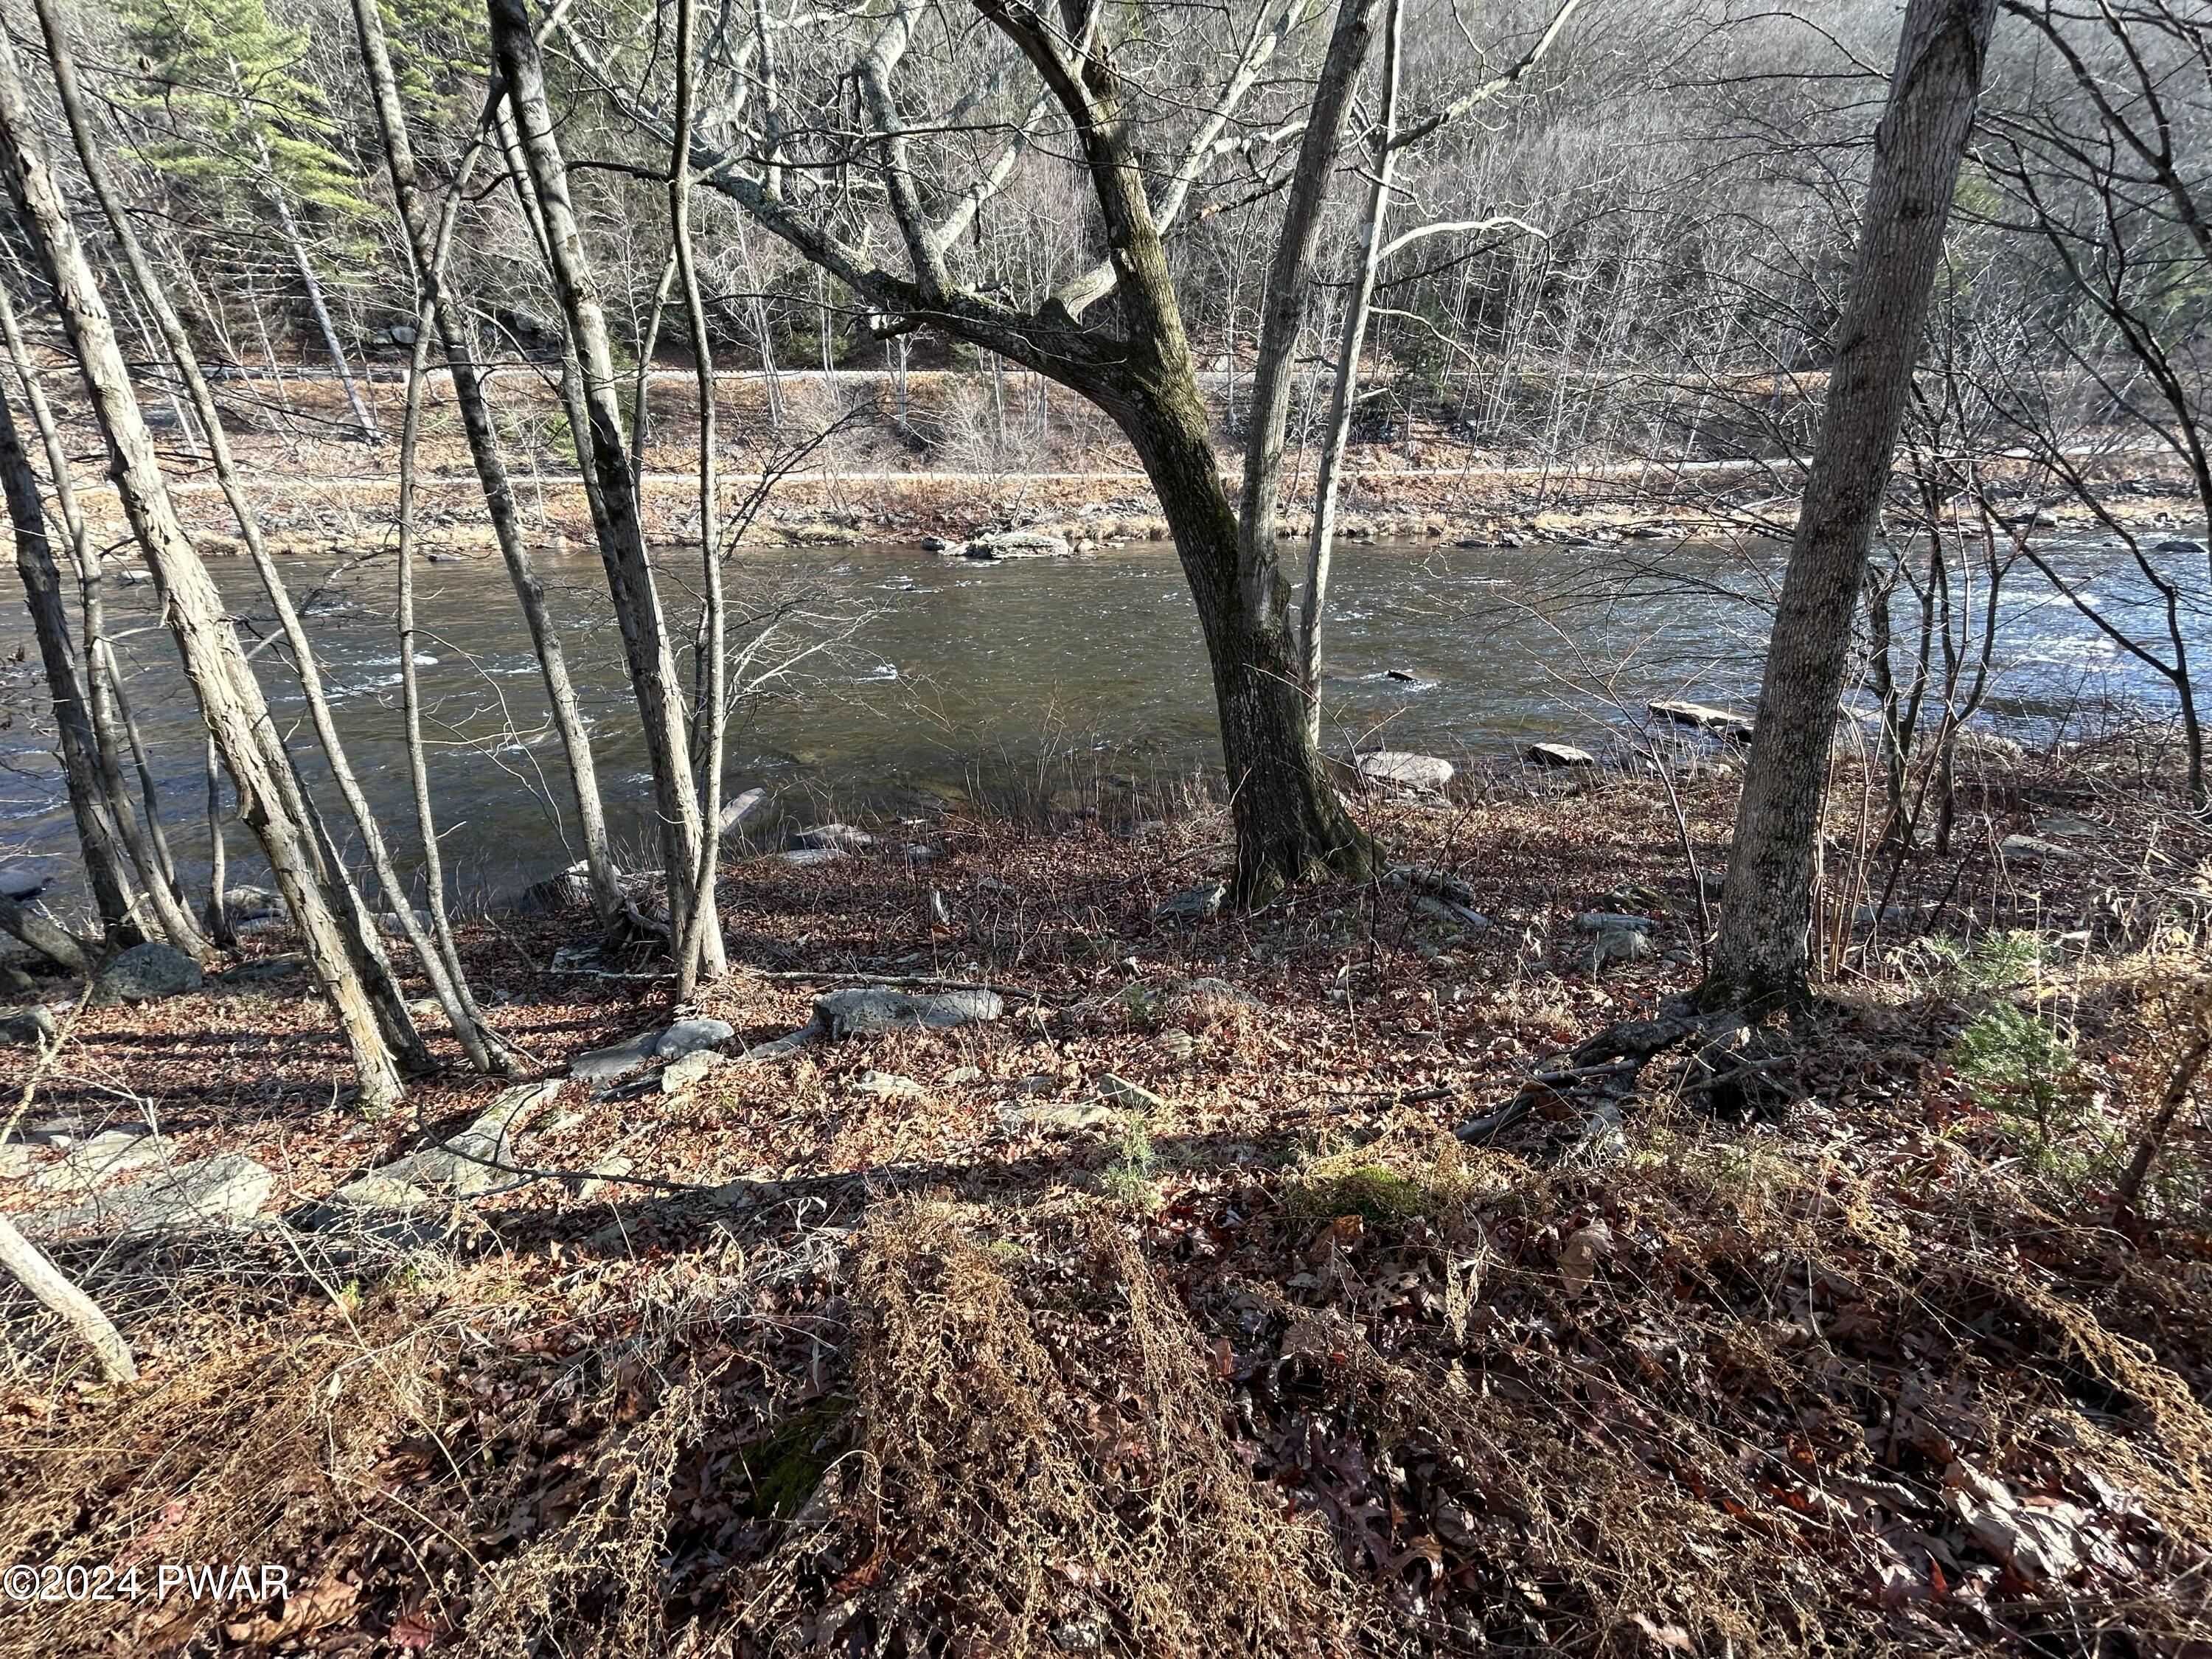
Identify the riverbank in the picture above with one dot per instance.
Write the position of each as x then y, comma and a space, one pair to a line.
863, 458
1161, 1312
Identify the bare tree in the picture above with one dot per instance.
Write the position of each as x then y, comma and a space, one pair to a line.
456, 338
229, 697
604, 453
1761, 952
1134, 363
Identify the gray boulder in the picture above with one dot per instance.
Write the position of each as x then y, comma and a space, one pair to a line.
27, 1028
689, 1036
227, 1190
871, 1008
1397, 768
618, 1059
146, 973
460, 1168
1194, 903
1560, 754
841, 837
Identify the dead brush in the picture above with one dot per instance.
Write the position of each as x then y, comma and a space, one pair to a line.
256, 1454
1046, 1468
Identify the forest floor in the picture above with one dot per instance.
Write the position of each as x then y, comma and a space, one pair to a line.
1165, 1315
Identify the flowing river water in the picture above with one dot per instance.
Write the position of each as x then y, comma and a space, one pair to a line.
895, 678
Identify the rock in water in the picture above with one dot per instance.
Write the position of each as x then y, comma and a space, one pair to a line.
1560, 754
146, 973
1399, 770
882, 1008
736, 812
841, 837
21, 884
1704, 717
1194, 903
1014, 544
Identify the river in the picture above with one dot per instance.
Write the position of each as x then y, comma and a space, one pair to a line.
920, 679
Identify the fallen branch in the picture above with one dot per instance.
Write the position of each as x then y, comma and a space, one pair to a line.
48, 938
44, 1281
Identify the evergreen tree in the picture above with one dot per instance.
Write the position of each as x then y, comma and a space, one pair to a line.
237, 130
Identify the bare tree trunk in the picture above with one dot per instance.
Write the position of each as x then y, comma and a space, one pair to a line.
1344, 395
699, 943
46, 936
218, 904
455, 337
96, 831
601, 447
2179, 1084
229, 697
148, 858
1762, 951
367, 944
317, 305
648, 345
41, 1277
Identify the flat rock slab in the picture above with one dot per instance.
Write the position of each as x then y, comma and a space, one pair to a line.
461, 1168
2034, 847
1704, 717
1129, 1097
1607, 922
620, 1060
2064, 826
110, 1153
1560, 754
689, 1071
1401, 769
869, 1008
227, 1190
689, 1036
886, 1086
